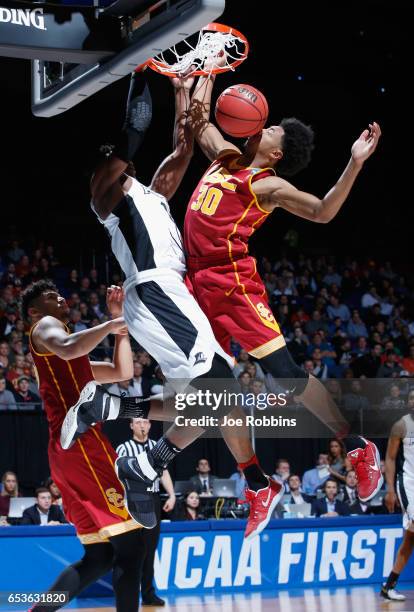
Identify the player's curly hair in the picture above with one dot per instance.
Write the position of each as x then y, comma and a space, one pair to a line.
32, 292
297, 146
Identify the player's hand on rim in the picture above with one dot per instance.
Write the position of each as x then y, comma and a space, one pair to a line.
184, 80
366, 144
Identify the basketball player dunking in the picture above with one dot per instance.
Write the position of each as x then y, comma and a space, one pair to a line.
93, 497
234, 197
160, 312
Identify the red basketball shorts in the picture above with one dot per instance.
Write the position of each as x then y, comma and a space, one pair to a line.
234, 300
93, 497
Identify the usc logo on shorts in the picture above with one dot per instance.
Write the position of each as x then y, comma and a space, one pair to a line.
114, 498
264, 312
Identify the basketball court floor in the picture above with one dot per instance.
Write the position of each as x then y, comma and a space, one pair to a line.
343, 599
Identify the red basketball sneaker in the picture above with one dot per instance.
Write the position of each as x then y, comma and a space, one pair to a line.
366, 463
262, 503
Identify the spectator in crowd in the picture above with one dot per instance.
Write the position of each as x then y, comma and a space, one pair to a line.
390, 368
123, 388
356, 327
76, 324
244, 380
242, 360
24, 397
350, 494
189, 509
15, 252
297, 496
282, 473
255, 371
53, 489
355, 399
316, 323
408, 362
331, 277
202, 483
7, 400
320, 369
393, 401
329, 506
337, 460
370, 297
10, 488
334, 387
43, 512
298, 345
4, 354
313, 479
141, 385
337, 309
368, 365
241, 483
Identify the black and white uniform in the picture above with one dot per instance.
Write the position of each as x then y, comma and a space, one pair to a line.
160, 312
150, 537
405, 477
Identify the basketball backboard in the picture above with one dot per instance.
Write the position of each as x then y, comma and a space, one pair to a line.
126, 41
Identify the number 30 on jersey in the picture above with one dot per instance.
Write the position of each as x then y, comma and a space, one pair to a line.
208, 200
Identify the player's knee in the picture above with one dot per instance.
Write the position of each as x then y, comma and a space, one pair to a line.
280, 364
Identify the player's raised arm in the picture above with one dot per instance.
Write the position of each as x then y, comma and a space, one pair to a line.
211, 141
169, 175
106, 187
121, 367
275, 192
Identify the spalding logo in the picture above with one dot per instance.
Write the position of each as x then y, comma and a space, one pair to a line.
249, 94
23, 17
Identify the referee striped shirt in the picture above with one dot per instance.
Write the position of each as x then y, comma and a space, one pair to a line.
132, 448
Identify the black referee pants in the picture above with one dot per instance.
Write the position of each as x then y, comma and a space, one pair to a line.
150, 539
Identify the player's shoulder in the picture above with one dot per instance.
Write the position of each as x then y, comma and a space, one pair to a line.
399, 429
47, 322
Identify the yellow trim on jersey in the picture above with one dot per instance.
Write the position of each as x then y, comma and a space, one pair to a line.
249, 184
92, 538
117, 528
56, 383
32, 348
122, 512
268, 347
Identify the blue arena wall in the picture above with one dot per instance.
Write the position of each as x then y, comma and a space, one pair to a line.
206, 555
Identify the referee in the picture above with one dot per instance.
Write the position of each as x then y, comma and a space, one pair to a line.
140, 443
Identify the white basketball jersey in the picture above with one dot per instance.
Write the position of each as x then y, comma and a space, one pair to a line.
143, 233
408, 446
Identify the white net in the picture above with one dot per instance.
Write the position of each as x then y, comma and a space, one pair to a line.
210, 47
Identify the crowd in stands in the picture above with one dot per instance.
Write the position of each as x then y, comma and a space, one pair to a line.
344, 320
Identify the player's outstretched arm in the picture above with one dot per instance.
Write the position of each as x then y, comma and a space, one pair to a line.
169, 175
121, 367
106, 182
210, 139
273, 192
50, 335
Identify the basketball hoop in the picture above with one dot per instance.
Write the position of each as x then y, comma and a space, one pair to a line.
214, 40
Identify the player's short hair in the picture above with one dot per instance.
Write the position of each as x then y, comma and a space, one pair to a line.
297, 146
32, 292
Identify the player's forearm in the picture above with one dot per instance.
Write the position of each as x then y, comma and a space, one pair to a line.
167, 483
122, 361
83, 342
335, 198
183, 137
200, 106
390, 474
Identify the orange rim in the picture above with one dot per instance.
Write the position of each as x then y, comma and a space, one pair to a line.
162, 67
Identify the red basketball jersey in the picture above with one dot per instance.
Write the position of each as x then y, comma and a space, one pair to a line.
60, 383
223, 212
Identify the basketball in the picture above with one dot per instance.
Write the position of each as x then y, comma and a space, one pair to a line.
241, 110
